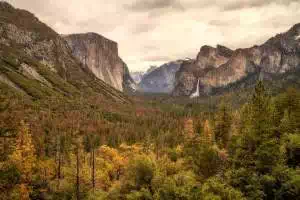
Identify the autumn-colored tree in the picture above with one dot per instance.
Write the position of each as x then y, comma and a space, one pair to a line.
24, 192
117, 161
24, 154
207, 133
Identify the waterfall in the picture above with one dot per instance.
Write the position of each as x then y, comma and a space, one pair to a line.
196, 94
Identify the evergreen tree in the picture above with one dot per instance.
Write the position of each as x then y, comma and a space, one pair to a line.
257, 150
222, 125
91, 142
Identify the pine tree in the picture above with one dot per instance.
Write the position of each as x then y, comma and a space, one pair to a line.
256, 128
257, 150
91, 142
285, 124
222, 125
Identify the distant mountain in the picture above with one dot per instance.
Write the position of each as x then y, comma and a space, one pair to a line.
38, 62
220, 67
100, 55
161, 79
137, 76
151, 69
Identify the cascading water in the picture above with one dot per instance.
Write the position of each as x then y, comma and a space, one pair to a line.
196, 94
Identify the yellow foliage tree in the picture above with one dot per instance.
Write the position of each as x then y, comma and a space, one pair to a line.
207, 132
46, 169
117, 161
24, 154
24, 192
189, 128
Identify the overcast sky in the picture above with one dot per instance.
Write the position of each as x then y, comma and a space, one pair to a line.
152, 32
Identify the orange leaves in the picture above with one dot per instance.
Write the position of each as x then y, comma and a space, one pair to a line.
189, 128
24, 154
24, 192
113, 156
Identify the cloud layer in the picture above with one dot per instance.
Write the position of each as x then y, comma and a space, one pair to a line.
151, 32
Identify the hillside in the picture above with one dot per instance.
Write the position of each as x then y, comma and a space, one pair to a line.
36, 61
65, 134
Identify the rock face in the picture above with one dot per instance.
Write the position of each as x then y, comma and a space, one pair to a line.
100, 55
38, 61
219, 67
161, 79
129, 85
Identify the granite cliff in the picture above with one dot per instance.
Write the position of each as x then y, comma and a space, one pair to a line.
220, 67
100, 55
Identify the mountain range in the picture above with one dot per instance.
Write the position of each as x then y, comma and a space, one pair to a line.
219, 69
38, 62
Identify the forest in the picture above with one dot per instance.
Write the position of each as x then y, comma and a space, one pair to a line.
95, 149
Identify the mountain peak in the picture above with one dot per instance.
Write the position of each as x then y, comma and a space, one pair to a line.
5, 5
296, 27
224, 51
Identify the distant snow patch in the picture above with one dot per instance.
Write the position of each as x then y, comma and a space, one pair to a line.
297, 37
196, 94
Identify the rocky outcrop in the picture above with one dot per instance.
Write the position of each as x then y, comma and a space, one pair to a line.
161, 79
219, 67
100, 55
208, 59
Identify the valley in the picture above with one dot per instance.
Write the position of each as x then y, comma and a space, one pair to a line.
75, 123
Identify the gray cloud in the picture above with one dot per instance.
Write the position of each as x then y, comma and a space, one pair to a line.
150, 5
241, 4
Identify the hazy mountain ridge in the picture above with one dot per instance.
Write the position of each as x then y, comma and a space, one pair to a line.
138, 75
161, 79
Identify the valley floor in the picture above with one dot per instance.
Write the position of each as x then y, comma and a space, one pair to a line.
151, 147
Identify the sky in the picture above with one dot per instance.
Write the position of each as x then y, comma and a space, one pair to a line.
153, 32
